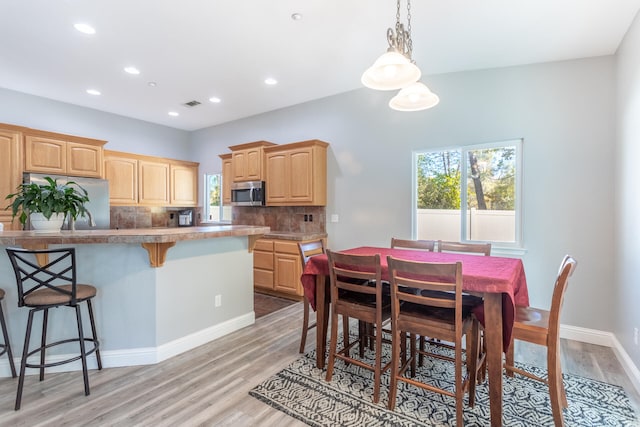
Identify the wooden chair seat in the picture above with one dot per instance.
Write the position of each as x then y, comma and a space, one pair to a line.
44, 297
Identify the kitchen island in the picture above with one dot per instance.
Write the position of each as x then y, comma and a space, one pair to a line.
157, 288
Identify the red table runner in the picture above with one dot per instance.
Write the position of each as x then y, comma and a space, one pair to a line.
480, 274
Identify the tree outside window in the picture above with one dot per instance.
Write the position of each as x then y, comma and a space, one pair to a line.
485, 208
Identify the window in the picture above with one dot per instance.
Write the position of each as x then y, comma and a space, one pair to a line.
469, 193
216, 211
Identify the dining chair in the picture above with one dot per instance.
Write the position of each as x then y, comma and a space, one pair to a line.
435, 314
307, 250
356, 292
467, 300
542, 327
470, 248
425, 245
41, 288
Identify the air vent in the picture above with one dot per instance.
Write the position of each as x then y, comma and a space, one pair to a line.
192, 104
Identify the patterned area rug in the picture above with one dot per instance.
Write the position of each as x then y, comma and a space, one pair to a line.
301, 391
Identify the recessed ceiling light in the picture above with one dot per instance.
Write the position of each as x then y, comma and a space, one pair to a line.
152, 84
271, 81
296, 16
215, 99
173, 114
132, 70
93, 92
85, 28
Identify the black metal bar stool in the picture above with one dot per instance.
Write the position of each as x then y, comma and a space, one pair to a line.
49, 286
5, 347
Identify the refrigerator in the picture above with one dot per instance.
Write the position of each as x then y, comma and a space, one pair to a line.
98, 205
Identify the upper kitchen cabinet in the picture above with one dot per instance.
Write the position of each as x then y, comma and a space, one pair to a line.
10, 169
227, 171
184, 183
248, 161
136, 180
296, 174
121, 170
47, 152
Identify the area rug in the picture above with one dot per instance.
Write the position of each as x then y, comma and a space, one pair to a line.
300, 390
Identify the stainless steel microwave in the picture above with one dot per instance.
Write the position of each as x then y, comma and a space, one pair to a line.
248, 193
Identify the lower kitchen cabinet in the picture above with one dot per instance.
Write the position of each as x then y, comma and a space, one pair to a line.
277, 267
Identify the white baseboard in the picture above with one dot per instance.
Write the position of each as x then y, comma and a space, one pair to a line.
143, 355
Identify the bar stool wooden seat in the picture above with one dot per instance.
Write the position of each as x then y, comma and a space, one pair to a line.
5, 347
50, 286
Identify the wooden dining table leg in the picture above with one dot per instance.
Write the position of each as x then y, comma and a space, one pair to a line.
493, 336
322, 317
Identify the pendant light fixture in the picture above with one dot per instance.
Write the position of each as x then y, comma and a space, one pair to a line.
395, 69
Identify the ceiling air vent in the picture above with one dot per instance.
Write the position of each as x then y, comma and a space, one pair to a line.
192, 104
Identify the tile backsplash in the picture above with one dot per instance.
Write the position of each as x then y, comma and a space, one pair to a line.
289, 219
145, 217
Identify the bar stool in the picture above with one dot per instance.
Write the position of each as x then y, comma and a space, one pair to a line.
43, 287
5, 347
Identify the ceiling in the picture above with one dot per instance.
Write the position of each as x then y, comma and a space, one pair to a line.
197, 49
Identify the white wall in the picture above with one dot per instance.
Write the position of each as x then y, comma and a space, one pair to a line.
564, 111
627, 280
122, 133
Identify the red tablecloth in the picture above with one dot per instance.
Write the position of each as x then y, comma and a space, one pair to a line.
481, 274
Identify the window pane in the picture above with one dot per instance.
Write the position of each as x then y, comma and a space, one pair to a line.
215, 210
491, 194
438, 198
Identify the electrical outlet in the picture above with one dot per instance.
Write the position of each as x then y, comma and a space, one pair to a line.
635, 336
335, 218
310, 218
218, 301
306, 218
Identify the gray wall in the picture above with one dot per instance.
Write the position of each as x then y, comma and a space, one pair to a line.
564, 111
627, 290
122, 133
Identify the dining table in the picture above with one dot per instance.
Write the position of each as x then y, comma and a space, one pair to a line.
500, 281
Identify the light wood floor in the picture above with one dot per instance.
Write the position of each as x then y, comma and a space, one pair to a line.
209, 385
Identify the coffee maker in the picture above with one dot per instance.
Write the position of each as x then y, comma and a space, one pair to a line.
185, 218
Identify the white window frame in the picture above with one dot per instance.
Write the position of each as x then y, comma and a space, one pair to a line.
207, 207
515, 247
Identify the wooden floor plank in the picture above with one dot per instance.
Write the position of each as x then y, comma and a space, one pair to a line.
209, 385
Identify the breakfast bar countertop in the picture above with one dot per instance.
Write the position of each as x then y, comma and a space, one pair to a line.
133, 235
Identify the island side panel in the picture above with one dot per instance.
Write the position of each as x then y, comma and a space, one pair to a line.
194, 273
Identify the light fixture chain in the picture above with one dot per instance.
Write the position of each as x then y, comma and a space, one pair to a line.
410, 42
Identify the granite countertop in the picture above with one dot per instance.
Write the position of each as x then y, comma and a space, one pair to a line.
298, 236
137, 235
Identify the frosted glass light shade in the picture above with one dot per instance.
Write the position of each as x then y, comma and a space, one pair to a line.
414, 97
391, 71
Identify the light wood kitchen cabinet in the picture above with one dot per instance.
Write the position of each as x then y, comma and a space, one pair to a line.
10, 170
153, 183
47, 152
296, 174
184, 184
248, 161
277, 267
227, 177
121, 170
137, 180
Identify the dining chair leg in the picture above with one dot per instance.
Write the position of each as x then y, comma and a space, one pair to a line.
5, 336
378, 368
333, 345
305, 325
346, 338
395, 359
555, 386
422, 348
412, 352
472, 361
459, 390
509, 358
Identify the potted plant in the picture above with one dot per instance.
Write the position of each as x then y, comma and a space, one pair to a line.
45, 202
